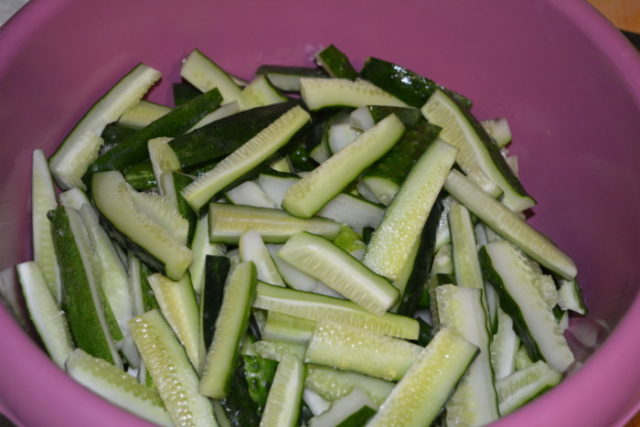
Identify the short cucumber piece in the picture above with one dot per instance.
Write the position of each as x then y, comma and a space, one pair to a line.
525, 385
313, 191
288, 78
205, 74
283, 403
336, 63
252, 248
499, 130
509, 225
334, 267
342, 408
350, 348
228, 222
173, 375
142, 114
231, 325
254, 152
418, 398
504, 347
319, 93
320, 307
50, 322
178, 305
391, 245
332, 384
282, 327
476, 151
507, 268
117, 386
81, 147
43, 199
259, 93
570, 297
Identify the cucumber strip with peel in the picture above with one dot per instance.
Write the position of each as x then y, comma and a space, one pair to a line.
118, 387
173, 375
219, 113
231, 325
275, 350
216, 271
465, 259
319, 93
81, 147
163, 160
504, 347
201, 247
418, 398
509, 271
43, 199
142, 114
163, 212
50, 322
320, 307
259, 93
499, 130
342, 408
570, 297
353, 349
334, 267
335, 63
509, 225
178, 305
228, 222
393, 242
252, 248
205, 74
252, 153
283, 403
332, 384
314, 190
525, 385
287, 78
477, 152
282, 327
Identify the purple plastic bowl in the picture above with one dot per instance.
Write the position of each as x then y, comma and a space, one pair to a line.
566, 80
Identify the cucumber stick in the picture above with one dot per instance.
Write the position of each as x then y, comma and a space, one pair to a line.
81, 147
342, 408
319, 93
231, 325
281, 327
252, 153
205, 75
252, 248
117, 386
394, 241
142, 114
201, 247
173, 375
283, 403
525, 385
334, 267
418, 397
336, 63
509, 225
43, 199
314, 190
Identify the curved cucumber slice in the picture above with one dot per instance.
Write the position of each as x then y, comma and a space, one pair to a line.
525, 385
117, 386
419, 396
172, 374
283, 403
49, 321
319, 93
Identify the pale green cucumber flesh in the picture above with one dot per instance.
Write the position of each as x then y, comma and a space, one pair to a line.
282, 327
525, 385
319, 93
205, 74
252, 248
283, 403
142, 114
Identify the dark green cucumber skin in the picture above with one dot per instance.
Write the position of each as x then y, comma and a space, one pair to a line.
366, 234
239, 405
258, 375
425, 334
216, 269
408, 116
410, 300
306, 140
336, 63
358, 418
82, 316
114, 133
149, 301
509, 306
176, 122
398, 162
140, 176
184, 92
180, 181
404, 84
291, 71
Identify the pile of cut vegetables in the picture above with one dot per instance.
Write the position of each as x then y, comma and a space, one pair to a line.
317, 246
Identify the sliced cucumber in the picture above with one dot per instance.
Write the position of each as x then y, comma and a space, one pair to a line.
81, 147
163, 160
509, 225
570, 297
283, 403
228, 222
201, 247
320, 307
337, 269
252, 248
50, 322
142, 114
392, 244
312, 192
282, 327
164, 213
249, 193
259, 93
319, 93
275, 350
499, 130
117, 386
254, 152
342, 409
420, 395
219, 113
288, 78
43, 199
173, 375
336, 63
465, 258
504, 347
205, 74
216, 271
341, 135
317, 405
525, 385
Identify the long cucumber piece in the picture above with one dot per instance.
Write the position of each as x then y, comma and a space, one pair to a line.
393, 242
319, 93
314, 190
465, 255
201, 247
419, 396
525, 385
43, 198
50, 322
283, 403
173, 375
334, 267
282, 327
205, 74
117, 386
81, 147
320, 307
509, 225
252, 153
